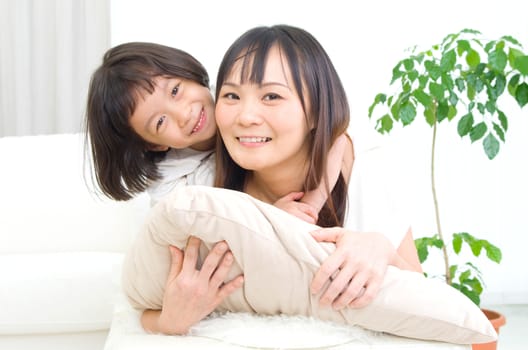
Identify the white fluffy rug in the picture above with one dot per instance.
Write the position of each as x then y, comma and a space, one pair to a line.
240, 331
275, 332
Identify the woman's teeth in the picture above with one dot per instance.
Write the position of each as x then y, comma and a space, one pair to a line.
254, 139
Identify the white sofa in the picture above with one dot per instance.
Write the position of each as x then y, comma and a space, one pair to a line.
61, 250
61, 247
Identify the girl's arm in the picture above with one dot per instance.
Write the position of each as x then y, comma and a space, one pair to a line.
307, 205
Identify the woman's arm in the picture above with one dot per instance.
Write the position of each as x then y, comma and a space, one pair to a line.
355, 270
190, 294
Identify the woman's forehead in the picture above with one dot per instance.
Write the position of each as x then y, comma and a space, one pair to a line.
270, 65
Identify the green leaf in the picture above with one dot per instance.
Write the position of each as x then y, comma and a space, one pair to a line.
424, 243
407, 113
481, 108
511, 39
429, 116
457, 243
460, 84
503, 120
396, 73
448, 60
499, 131
491, 146
436, 90
384, 124
451, 112
513, 83
408, 64
442, 111
500, 84
464, 124
380, 98
497, 60
463, 46
490, 106
423, 98
433, 69
473, 58
493, 253
521, 94
478, 131
521, 64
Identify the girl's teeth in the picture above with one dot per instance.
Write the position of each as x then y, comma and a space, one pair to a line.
199, 124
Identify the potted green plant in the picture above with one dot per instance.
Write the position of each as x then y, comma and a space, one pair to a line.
460, 80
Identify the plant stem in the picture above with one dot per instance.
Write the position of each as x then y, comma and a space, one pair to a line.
436, 207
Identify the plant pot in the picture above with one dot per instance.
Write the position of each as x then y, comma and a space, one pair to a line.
497, 320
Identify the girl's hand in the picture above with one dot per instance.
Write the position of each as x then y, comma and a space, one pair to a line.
192, 294
355, 270
290, 203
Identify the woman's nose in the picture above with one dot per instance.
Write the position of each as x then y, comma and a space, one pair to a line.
249, 114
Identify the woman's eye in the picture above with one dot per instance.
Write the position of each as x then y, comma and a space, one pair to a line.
175, 90
271, 97
231, 96
159, 123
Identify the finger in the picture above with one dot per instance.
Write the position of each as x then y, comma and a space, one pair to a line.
222, 271
327, 269
305, 217
213, 259
353, 289
230, 287
190, 256
176, 256
309, 213
337, 286
312, 212
292, 196
327, 234
371, 290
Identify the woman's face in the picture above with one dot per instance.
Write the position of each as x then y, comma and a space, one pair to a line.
263, 126
178, 114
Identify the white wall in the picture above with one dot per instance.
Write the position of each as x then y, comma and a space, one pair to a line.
365, 40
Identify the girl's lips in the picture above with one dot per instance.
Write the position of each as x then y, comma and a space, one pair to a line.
200, 123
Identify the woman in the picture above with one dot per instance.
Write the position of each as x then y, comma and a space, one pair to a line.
280, 105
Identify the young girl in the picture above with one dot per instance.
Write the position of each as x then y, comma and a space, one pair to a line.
279, 107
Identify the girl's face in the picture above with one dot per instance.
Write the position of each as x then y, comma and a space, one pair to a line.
263, 126
178, 114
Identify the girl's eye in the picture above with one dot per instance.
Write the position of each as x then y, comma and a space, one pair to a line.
159, 123
175, 90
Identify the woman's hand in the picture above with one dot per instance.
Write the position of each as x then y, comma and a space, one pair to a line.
354, 272
291, 203
192, 294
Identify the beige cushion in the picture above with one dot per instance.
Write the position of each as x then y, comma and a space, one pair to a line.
279, 258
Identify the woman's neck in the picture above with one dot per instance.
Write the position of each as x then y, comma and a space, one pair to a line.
271, 185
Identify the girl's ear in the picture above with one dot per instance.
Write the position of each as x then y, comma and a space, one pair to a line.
157, 148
